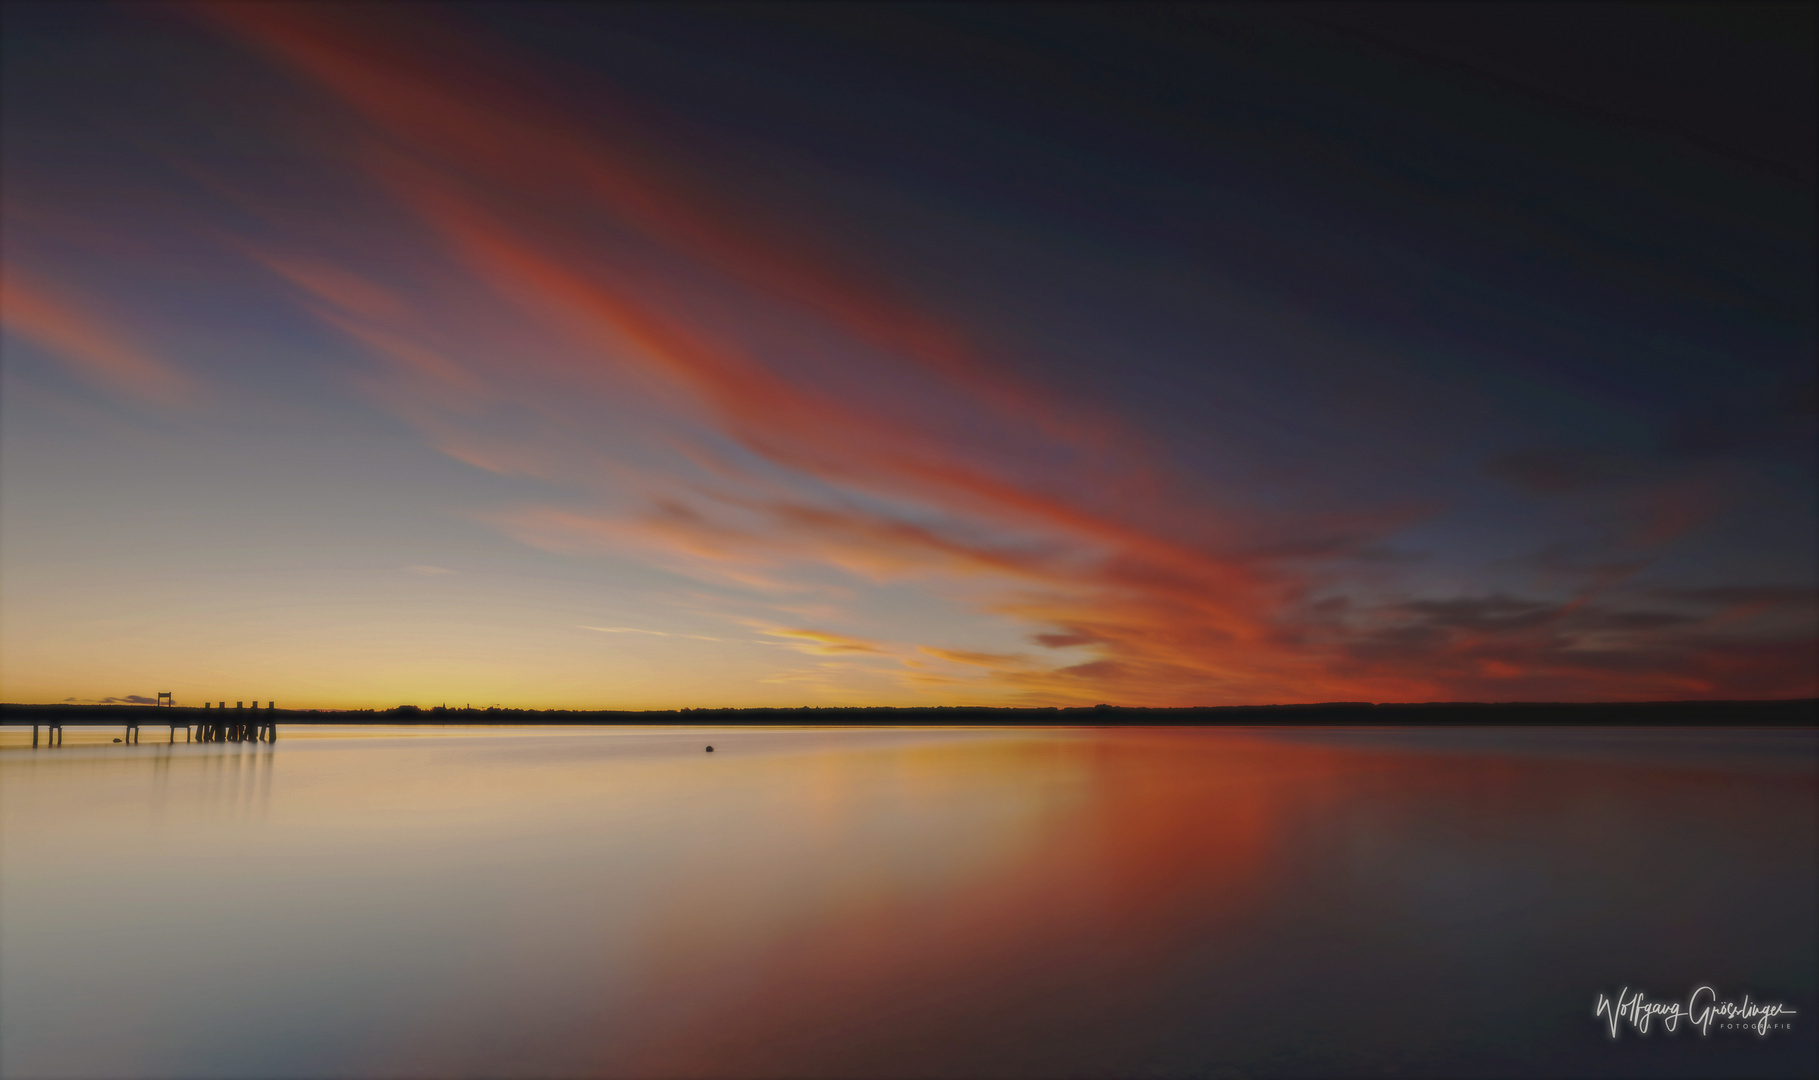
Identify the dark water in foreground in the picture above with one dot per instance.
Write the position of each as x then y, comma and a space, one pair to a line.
560, 902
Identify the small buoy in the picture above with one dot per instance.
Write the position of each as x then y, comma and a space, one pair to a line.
709, 749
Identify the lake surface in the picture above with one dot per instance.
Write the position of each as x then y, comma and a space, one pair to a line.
475, 902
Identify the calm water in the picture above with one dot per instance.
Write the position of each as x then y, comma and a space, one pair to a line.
570, 902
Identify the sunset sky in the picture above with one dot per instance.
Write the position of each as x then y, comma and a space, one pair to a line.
630, 356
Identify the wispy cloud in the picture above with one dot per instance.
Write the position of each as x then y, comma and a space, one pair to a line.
722, 391
823, 643
77, 332
652, 633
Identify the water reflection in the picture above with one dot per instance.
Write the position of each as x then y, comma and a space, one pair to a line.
892, 903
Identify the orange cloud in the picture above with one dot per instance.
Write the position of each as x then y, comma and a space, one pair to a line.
77, 334
457, 105
730, 397
823, 643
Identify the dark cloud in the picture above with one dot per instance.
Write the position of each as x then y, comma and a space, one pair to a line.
1585, 563
1733, 596
1721, 427
1396, 644
1352, 535
1508, 615
1722, 639
1632, 620
1062, 641
1496, 614
1552, 470
1097, 669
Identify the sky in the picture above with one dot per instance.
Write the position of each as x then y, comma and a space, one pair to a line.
626, 356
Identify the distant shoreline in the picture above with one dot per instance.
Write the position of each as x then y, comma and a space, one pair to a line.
1795, 712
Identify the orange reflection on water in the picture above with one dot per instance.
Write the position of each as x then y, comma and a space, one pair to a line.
1098, 902
1017, 930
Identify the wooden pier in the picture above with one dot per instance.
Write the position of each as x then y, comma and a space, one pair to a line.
233, 725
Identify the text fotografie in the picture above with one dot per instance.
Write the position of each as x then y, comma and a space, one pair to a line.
1702, 1009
